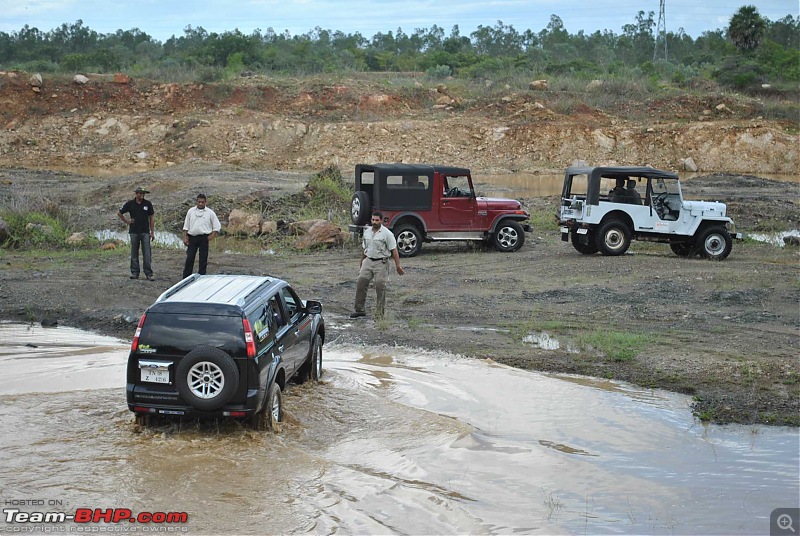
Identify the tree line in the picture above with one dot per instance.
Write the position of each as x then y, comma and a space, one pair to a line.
751, 51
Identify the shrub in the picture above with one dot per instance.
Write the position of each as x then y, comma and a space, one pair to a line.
35, 230
326, 197
440, 72
739, 73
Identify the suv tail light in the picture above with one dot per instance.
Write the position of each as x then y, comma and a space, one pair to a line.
135, 342
248, 338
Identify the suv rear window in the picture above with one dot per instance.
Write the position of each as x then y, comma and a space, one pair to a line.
165, 333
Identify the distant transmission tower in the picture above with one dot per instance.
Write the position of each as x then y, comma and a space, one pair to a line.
661, 33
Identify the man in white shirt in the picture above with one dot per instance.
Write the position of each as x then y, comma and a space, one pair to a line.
379, 244
200, 227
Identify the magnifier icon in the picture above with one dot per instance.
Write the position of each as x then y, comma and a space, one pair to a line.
784, 522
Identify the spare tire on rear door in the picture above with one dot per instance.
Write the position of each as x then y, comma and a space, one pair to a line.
360, 208
206, 378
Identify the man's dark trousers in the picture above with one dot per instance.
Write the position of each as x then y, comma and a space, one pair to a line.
143, 240
197, 242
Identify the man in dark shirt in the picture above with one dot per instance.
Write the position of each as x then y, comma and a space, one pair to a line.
633, 195
618, 194
140, 227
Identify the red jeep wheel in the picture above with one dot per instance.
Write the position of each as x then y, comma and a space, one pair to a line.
409, 241
509, 236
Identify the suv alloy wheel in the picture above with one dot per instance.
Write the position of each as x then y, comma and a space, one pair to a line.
207, 378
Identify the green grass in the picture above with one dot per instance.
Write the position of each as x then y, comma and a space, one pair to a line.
617, 345
543, 220
413, 323
35, 229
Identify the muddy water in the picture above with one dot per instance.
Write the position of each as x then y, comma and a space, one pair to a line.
392, 442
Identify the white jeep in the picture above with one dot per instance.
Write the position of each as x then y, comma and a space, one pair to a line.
642, 203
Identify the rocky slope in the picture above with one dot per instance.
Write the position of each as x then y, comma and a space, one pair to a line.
136, 125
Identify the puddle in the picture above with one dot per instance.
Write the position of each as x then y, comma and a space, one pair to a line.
259, 252
775, 239
542, 340
162, 239
546, 342
391, 442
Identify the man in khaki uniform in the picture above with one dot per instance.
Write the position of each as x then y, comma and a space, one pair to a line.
379, 244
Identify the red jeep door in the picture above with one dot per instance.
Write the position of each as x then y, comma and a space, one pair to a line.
458, 205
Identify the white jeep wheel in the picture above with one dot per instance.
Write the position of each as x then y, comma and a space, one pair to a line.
613, 238
715, 243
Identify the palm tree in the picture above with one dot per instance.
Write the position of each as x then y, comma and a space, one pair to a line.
746, 29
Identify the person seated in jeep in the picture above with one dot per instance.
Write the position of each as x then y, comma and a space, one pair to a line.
618, 193
413, 182
631, 193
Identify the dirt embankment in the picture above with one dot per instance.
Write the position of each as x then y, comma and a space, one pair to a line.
139, 126
726, 332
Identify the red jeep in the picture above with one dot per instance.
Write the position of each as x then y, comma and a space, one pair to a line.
423, 203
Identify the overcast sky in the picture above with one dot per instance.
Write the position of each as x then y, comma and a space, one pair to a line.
163, 18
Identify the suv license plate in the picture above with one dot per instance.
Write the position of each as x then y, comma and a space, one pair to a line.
155, 375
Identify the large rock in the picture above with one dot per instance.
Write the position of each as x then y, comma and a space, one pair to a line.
594, 85
80, 79
39, 228
269, 227
791, 240
689, 165
77, 239
244, 223
36, 80
538, 85
322, 233
302, 227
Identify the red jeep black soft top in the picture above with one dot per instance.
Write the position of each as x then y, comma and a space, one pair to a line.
424, 203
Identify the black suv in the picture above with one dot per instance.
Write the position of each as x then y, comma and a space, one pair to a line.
223, 346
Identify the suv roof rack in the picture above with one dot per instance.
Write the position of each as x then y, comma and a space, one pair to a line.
222, 288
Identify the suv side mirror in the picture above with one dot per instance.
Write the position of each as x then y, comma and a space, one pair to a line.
313, 307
